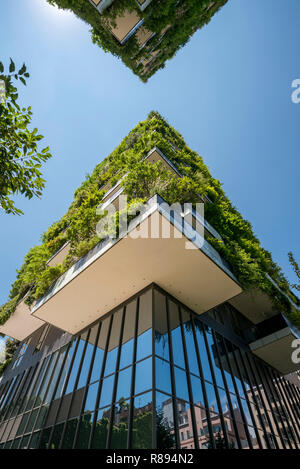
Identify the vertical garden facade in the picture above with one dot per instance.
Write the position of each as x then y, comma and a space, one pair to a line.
141, 342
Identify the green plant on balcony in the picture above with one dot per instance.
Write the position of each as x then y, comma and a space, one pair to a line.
241, 248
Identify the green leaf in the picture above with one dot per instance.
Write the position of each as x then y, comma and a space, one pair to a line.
12, 66
22, 70
1, 67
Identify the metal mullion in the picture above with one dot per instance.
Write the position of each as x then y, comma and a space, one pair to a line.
26, 387
87, 384
154, 419
7, 397
269, 387
202, 381
195, 431
215, 387
10, 396
270, 405
38, 375
4, 391
293, 409
171, 364
7, 393
263, 404
237, 395
254, 397
14, 394
247, 398
283, 397
30, 412
68, 346
100, 382
227, 392
132, 386
116, 373
42, 403
42, 381
64, 388
20, 390
295, 398
14, 418
273, 386
75, 386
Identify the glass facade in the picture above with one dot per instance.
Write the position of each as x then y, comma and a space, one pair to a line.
151, 374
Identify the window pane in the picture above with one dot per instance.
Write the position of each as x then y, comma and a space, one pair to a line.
107, 390
124, 384
101, 429
143, 376
161, 329
142, 422
128, 335
90, 402
190, 348
85, 366
181, 384
65, 370
84, 431
202, 351
164, 422
178, 355
185, 425
75, 366
163, 376
197, 391
69, 434
126, 354
120, 427
144, 345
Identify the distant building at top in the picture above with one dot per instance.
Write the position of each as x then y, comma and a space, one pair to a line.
143, 33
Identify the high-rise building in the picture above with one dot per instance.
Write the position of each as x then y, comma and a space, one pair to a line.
173, 330
143, 33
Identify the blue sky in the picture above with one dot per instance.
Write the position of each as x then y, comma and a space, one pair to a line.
228, 92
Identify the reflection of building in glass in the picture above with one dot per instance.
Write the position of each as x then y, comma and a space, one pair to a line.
143, 34
143, 343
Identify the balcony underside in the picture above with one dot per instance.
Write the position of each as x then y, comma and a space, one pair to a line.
115, 270
21, 324
276, 350
255, 305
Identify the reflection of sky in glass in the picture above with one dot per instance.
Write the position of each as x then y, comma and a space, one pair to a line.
124, 384
178, 356
163, 377
126, 354
144, 345
143, 376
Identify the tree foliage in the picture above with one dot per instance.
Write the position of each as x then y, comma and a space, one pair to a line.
20, 157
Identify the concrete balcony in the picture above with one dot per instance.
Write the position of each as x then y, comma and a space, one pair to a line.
257, 306
101, 5
155, 155
126, 25
59, 256
21, 324
273, 343
183, 264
